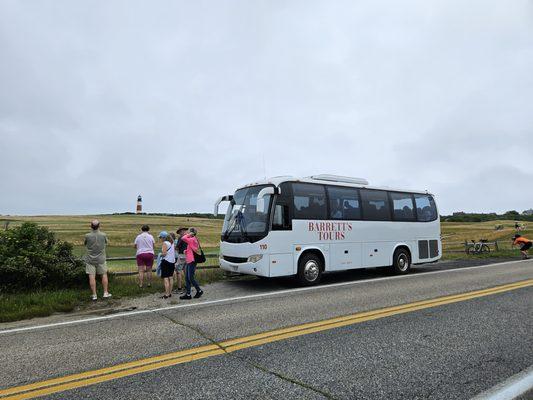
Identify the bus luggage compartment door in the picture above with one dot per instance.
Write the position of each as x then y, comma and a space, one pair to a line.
344, 256
281, 264
377, 254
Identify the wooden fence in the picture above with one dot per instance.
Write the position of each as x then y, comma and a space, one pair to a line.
133, 271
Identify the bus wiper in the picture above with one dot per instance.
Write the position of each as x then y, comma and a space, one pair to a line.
230, 230
239, 218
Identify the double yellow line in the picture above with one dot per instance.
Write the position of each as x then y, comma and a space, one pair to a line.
148, 364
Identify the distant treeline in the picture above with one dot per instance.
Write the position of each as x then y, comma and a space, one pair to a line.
189, 215
473, 217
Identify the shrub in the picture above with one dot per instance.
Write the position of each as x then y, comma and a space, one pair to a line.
32, 258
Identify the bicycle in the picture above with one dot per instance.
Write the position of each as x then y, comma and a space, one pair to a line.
478, 247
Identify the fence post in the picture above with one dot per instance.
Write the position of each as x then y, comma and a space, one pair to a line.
496, 245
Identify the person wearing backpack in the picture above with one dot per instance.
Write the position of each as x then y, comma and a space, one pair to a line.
192, 253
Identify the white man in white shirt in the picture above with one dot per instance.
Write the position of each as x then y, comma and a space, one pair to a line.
144, 243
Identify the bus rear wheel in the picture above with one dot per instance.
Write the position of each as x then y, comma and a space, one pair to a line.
401, 262
309, 269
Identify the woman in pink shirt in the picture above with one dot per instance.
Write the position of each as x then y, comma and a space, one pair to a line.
144, 243
190, 268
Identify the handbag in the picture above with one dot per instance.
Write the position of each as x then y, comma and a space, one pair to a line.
199, 258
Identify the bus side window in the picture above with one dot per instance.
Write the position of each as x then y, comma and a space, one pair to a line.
281, 220
425, 208
309, 201
343, 203
375, 205
402, 206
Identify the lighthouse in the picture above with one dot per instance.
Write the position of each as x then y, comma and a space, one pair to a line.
139, 205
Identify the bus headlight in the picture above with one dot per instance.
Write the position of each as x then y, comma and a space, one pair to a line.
255, 258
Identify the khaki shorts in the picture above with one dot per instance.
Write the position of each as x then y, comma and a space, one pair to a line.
98, 269
180, 263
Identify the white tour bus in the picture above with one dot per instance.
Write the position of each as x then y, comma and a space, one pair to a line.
286, 226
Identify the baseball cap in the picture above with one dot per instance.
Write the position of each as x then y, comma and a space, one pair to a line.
163, 234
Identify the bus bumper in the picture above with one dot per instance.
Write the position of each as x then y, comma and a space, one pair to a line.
259, 268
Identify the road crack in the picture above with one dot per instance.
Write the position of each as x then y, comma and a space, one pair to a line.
248, 362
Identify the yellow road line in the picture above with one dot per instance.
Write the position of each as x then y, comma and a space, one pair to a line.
149, 364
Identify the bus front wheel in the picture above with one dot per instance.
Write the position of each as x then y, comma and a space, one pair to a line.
401, 261
309, 269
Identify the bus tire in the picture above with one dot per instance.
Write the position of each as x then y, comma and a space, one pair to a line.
310, 268
401, 261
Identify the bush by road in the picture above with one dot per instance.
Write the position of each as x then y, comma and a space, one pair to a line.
31, 257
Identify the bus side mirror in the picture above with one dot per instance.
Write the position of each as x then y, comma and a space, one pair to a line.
220, 200
260, 206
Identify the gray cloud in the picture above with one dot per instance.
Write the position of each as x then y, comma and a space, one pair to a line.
182, 101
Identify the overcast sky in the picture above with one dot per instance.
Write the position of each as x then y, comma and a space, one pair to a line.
181, 101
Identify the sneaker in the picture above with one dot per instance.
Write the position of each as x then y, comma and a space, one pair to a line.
94, 297
186, 297
165, 296
107, 295
198, 294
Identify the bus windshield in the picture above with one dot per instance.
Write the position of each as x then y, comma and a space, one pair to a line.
242, 219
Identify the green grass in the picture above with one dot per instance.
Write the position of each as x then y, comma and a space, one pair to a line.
18, 306
15, 307
493, 254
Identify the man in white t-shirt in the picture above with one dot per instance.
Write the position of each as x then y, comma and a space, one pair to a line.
144, 243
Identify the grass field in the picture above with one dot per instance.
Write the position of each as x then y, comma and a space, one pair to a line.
122, 229
455, 233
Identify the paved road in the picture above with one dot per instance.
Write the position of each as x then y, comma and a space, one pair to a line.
447, 351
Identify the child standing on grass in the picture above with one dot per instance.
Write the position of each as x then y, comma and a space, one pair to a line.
190, 269
525, 245
167, 263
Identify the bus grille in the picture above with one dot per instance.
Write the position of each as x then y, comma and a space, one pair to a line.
235, 260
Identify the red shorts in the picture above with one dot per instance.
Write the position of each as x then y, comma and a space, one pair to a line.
145, 261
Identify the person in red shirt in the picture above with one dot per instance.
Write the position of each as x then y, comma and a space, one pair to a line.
525, 245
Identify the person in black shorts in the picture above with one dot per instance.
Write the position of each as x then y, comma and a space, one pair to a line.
167, 263
524, 243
